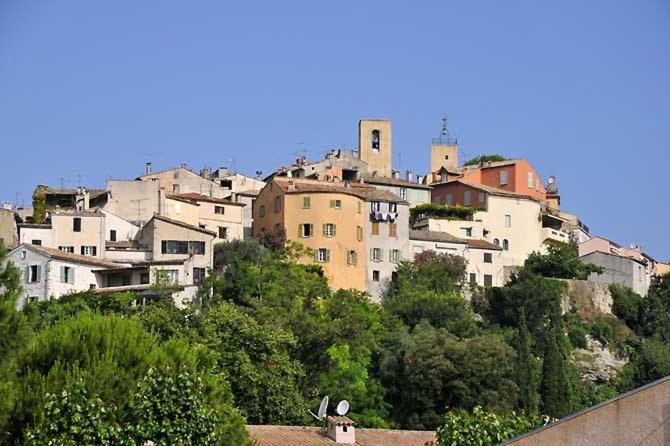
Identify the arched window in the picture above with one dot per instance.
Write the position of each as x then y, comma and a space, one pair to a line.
375, 139
496, 242
505, 245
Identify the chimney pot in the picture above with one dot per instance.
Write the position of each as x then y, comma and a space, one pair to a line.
409, 176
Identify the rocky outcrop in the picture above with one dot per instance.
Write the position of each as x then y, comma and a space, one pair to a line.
597, 363
585, 296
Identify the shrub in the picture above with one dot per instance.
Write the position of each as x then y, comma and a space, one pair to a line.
602, 331
441, 211
626, 304
484, 159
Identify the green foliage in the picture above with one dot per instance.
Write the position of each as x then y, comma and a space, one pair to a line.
482, 428
555, 385
575, 329
429, 369
73, 418
626, 305
435, 210
650, 360
602, 331
561, 262
484, 159
273, 239
655, 310
39, 205
527, 369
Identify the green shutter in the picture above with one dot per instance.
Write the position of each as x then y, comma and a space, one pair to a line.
334, 230
27, 274
63, 277
323, 229
70, 277
316, 255
39, 271
372, 254
327, 255
300, 233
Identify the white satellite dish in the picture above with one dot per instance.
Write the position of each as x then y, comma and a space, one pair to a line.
343, 408
322, 409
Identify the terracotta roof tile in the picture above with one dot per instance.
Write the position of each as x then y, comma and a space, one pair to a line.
183, 225
69, 257
482, 244
313, 436
434, 236
361, 190
489, 189
393, 182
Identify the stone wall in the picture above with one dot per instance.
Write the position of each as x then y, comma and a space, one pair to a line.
586, 296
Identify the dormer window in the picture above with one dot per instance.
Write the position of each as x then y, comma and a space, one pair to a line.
375, 139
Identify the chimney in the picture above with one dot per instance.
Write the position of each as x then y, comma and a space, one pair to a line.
409, 176
148, 168
342, 430
161, 202
395, 174
291, 185
204, 172
7, 205
183, 166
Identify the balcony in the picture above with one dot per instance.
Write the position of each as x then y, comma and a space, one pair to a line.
555, 234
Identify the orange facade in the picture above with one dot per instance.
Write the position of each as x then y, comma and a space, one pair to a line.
516, 176
456, 193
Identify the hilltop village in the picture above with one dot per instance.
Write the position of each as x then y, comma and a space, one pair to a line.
356, 214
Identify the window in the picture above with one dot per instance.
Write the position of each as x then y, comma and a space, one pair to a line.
375, 228
393, 207
473, 278
488, 280
352, 257
466, 232
144, 278
76, 224
112, 235
443, 177
23, 254
482, 197
376, 254
488, 257
198, 275
69, 249
530, 180
450, 200
505, 245
496, 242
375, 139
305, 230
172, 275
306, 202
376, 206
36, 242
223, 232
503, 177
219, 210
201, 226
66, 274
329, 230
403, 193
394, 276
336, 204
261, 211
182, 247
359, 233
175, 189
394, 255
436, 199
89, 251
33, 273
197, 247
322, 255
277, 204
375, 276
393, 230
508, 221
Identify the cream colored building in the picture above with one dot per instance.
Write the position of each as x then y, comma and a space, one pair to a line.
181, 180
375, 146
219, 215
484, 260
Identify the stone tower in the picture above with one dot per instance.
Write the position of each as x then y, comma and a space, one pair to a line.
375, 145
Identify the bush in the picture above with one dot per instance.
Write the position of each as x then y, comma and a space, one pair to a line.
626, 304
602, 331
441, 211
484, 159
482, 428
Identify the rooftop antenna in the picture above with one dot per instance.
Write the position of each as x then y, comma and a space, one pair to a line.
321, 414
444, 133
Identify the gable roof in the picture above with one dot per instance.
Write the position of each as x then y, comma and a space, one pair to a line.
200, 197
434, 236
313, 436
360, 190
69, 257
182, 224
393, 182
488, 189
482, 244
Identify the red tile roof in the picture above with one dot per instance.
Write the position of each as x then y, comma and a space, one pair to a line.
313, 436
70, 257
360, 190
183, 225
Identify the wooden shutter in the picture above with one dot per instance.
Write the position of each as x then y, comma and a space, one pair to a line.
82, 250
95, 251
334, 230
39, 271
316, 255
27, 274
323, 229
327, 255
163, 246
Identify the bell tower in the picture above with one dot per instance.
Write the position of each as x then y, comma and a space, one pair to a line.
444, 150
375, 146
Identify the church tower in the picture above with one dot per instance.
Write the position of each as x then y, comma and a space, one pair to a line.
375, 146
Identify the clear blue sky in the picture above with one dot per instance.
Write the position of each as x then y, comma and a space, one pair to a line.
92, 90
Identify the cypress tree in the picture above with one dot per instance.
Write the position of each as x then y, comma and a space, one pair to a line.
555, 388
525, 376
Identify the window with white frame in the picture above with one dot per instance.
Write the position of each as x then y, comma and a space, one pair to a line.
466, 232
322, 255
329, 230
376, 206
306, 230
376, 254
172, 275
450, 200
503, 177
33, 273
88, 250
394, 255
69, 249
67, 274
508, 221
393, 207
352, 257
